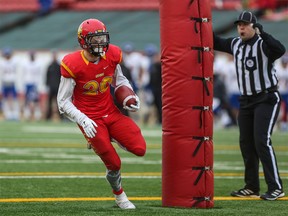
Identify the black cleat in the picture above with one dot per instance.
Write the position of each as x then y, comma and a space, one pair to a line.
244, 192
273, 195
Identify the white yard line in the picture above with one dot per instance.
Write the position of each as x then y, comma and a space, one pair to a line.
75, 130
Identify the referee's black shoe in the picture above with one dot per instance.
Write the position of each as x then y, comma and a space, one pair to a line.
244, 192
273, 195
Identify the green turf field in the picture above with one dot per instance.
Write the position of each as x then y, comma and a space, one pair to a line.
46, 169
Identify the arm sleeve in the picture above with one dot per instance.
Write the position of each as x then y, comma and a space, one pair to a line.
64, 100
221, 44
119, 79
273, 48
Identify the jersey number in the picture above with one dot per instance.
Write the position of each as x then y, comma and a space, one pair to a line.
93, 87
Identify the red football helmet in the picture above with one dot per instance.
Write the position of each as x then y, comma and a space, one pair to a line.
93, 37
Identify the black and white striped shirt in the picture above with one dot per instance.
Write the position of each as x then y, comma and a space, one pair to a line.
254, 61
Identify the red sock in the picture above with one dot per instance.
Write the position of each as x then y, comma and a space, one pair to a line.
118, 192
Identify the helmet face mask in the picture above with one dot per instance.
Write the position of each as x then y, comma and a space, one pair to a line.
93, 37
98, 43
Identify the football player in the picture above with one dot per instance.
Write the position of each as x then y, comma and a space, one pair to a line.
8, 85
84, 97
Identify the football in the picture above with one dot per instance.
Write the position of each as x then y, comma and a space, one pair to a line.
125, 96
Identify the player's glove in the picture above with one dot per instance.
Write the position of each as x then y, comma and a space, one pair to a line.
88, 126
134, 107
258, 28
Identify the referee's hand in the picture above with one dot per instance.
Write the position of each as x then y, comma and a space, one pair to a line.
258, 28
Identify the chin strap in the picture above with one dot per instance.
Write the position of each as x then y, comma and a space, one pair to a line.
101, 53
91, 51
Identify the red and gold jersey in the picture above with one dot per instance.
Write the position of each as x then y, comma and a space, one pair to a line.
92, 91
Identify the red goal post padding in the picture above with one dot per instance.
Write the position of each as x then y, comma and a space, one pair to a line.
187, 77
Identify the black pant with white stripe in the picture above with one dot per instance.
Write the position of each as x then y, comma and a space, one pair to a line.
257, 117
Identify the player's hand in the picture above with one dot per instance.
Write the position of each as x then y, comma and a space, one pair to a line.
88, 126
134, 107
258, 28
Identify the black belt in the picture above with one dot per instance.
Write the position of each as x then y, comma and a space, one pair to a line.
266, 91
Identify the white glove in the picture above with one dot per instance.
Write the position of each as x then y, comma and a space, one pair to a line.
132, 107
88, 126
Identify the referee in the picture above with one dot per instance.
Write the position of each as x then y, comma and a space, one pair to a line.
254, 54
